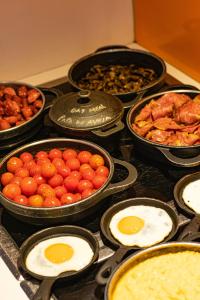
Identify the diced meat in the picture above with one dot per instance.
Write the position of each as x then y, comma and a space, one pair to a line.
144, 113
142, 131
161, 111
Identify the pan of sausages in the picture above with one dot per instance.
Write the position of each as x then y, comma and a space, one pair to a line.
21, 108
166, 126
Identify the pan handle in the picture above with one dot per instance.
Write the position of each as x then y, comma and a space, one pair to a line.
108, 267
191, 229
56, 93
114, 188
111, 47
132, 102
44, 290
104, 133
178, 161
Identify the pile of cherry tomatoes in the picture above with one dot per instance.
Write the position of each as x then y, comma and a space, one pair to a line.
53, 178
18, 105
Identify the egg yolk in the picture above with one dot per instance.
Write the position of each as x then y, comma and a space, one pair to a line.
59, 253
130, 225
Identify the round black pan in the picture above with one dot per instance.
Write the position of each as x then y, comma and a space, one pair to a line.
110, 264
43, 292
194, 224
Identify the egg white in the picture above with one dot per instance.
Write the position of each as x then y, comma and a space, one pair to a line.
191, 195
39, 264
157, 225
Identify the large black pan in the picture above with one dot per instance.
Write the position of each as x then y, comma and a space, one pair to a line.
12, 132
71, 212
43, 293
110, 264
194, 224
181, 156
120, 55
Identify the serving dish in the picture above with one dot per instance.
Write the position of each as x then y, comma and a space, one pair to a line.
71, 212
180, 156
120, 55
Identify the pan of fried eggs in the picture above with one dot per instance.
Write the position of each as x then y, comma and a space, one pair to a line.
57, 252
133, 224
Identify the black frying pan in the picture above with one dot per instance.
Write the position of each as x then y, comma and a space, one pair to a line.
43, 292
194, 224
110, 264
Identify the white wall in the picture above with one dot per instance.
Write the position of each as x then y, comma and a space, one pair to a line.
40, 35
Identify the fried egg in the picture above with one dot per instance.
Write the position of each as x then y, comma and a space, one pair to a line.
140, 225
191, 195
53, 256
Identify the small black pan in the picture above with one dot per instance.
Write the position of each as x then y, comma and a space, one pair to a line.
194, 224
107, 268
43, 292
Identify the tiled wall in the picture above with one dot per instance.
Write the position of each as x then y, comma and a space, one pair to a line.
37, 36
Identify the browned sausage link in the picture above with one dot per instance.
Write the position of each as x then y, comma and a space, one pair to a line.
22, 91
33, 95
27, 112
4, 124
9, 91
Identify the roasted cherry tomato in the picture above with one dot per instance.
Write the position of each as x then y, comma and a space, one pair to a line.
26, 156
35, 170
36, 200
71, 183
98, 181
84, 156
13, 164
58, 163
64, 171
41, 155
84, 184
51, 202
88, 174
11, 190
87, 193
22, 172
28, 186
68, 198
69, 153
96, 161
73, 164
48, 170
55, 180
60, 190
55, 153
21, 199
6, 178
102, 170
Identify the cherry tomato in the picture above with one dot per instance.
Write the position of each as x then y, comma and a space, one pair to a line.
55, 153
22, 172
6, 178
60, 190
77, 197
98, 181
87, 193
55, 180
41, 155
48, 170
36, 200
29, 164
64, 171
39, 179
11, 190
51, 202
84, 184
28, 186
102, 170
83, 167
21, 199
68, 198
71, 183
88, 174
84, 156
58, 162
35, 170
76, 174
26, 156
45, 190
13, 164
96, 161
73, 164
69, 153
43, 161
17, 180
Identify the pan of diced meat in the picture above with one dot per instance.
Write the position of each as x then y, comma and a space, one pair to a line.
166, 126
21, 108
